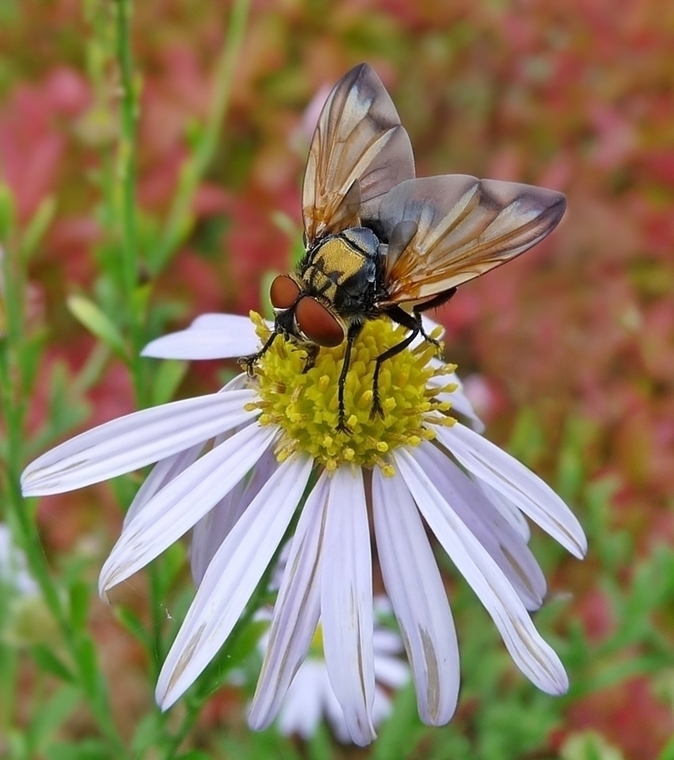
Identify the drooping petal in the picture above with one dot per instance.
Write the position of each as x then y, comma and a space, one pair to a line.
214, 527
180, 504
408, 566
296, 611
134, 441
535, 658
382, 707
210, 336
334, 712
302, 709
517, 483
231, 578
162, 473
506, 507
346, 602
492, 530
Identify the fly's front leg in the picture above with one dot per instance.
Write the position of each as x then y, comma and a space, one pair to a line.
312, 352
353, 333
249, 362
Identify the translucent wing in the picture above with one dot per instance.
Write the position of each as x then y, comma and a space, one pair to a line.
443, 231
359, 151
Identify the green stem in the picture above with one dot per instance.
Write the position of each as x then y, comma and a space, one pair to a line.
179, 220
127, 176
12, 356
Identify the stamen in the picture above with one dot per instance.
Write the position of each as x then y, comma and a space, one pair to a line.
305, 404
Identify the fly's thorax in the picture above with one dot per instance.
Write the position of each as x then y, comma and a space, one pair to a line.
343, 270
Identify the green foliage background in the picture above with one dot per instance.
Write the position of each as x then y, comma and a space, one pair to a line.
150, 164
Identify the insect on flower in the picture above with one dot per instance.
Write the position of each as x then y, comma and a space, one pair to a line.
382, 243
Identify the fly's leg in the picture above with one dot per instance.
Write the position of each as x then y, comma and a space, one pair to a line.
413, 323
351, 336
312, 352
249, 362
438, 300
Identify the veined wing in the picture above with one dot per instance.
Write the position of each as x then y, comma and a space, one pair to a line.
359, 151
444, 231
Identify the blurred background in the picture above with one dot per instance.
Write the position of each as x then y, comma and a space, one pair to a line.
568, 352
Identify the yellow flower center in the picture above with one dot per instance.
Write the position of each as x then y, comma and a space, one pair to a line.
305, 404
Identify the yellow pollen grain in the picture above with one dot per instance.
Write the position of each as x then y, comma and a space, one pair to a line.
305, 404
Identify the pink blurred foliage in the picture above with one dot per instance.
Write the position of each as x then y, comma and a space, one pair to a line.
33, 135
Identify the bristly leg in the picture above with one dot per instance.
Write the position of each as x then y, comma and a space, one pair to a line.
312, 353
249, 362
353, 333
439, 300
415, 325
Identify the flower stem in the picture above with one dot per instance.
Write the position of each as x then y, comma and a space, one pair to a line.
180, 220
14, 361
126, 167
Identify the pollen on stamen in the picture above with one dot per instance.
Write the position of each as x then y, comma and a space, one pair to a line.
304, 403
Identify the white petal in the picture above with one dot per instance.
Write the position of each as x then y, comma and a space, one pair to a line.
386, 641
214, 527
458, 398
517, 483
509, 510
135, 440
486, 523
334, 712
302, 707
178, 506
211, 336
226, 323
462, 405
535, 658
391, 671
408, 565
346, 602
162, 474
382, 706
231, 578
296, 611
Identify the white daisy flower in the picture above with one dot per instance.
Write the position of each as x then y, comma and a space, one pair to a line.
271, 444
310, 697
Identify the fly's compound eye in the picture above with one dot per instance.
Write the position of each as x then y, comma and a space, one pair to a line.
318, 324
284, 292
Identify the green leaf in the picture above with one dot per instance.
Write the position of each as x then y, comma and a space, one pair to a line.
79, 605
50, 663
166, 381
148, 730
85, 749
51, 716
98, 323
133, 624
38, 225
88, 666
7, 212
400, 732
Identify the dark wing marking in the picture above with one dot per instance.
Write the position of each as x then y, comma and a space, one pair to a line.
359, 151
444, 231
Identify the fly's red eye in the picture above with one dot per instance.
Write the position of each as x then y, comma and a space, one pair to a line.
284, 292
318, 324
